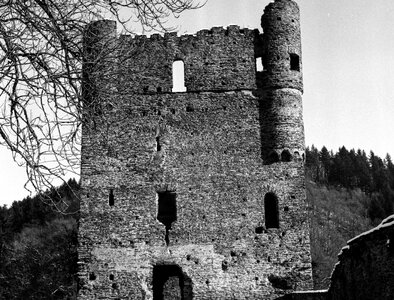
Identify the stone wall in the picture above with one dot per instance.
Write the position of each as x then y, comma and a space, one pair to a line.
366, 266
365, 270
307, 295
178, 188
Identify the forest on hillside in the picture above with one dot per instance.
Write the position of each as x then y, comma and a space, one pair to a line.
354, 169
348, 193
38, 246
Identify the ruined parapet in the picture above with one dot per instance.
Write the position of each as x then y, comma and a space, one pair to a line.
218, 59
281, 82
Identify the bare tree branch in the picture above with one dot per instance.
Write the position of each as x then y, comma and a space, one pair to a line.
40, 75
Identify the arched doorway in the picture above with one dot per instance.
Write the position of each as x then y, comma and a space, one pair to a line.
170, 283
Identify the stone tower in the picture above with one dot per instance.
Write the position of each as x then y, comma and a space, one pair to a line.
197, 191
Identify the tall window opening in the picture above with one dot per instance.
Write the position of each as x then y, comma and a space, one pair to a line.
271, 211
167, 211
294, 62
178, 76
259, 64
111, 198
158, 144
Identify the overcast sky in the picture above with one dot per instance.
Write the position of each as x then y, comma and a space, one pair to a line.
348, 65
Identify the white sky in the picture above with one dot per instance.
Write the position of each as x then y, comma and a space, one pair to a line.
348, 65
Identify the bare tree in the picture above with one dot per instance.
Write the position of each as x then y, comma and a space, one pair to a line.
40, 75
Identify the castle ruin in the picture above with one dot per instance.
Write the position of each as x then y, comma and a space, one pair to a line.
194, 191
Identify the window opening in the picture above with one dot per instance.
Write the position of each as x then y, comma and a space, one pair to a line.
271, 211
158, 144
273, 157
259, 64
294, 62
167, 213
111, 198
285, 156
178, 76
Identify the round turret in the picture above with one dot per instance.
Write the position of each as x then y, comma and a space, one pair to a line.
98, 65
282, 124
282, 45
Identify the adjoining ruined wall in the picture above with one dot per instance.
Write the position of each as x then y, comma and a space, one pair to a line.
365, 270
207, 147
305, 295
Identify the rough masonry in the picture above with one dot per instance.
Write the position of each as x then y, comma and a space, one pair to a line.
195, 193
365, 270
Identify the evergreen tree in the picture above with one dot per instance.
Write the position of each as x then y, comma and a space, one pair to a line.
325, 159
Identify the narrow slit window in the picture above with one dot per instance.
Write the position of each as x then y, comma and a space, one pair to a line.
111, 198
294, 62
158, 144
259, 64
178, 76
271, 211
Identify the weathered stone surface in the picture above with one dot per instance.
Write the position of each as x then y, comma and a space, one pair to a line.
212, 147
307, 295
365, 269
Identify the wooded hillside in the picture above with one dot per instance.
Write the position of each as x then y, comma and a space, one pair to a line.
348, 193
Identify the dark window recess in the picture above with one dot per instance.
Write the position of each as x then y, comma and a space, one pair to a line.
286, 156
224, 265
158, 145
167, 211
297, 155
111, 198
271, 211
92, 276
259, 230
111, 277
294, 62
273, 157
